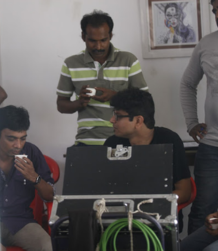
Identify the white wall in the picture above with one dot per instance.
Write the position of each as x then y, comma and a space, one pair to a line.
37, 35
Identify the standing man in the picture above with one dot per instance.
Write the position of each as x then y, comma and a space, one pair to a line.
133, 123
100, 66
19, 178
204, 60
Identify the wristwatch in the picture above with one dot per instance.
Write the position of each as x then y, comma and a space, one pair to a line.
38, 179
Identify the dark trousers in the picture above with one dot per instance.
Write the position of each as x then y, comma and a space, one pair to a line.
206, 179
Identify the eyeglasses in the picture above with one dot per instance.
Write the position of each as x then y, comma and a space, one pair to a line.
119, 116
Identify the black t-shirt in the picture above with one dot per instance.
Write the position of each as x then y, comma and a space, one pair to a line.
162, 136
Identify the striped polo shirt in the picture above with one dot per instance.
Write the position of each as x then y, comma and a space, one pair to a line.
120, 71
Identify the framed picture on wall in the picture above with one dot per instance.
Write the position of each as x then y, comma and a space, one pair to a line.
173, 28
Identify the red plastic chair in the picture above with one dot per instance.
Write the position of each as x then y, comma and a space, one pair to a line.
193, 195
37, 204
54, 168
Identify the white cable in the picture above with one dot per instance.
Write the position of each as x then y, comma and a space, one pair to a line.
157, 215
101, 208
130, 217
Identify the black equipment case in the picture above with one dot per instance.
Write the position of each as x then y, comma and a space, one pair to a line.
123, 177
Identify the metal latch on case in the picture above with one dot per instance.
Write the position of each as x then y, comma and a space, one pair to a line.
120, 153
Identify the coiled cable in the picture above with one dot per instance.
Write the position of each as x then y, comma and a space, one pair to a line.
114, 228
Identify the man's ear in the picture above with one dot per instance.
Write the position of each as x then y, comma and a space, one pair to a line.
139, 121
83, 35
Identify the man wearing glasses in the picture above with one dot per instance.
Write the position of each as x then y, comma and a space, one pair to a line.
133, 123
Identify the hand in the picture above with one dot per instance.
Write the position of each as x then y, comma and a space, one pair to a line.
25, 166
107, 94
198, 130
83, 97
208, 223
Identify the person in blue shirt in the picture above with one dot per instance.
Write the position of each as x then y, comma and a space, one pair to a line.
19, 178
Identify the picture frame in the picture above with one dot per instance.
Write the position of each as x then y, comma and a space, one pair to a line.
172, 28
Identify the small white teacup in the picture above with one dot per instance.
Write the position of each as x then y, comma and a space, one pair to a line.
92, 93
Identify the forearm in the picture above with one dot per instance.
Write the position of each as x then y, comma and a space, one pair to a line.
188, 89
45, 190
188, 96
183, 197
183, 190
67, 106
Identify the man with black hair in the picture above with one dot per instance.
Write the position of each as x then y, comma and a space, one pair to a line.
19, 178
100, 66
204, 60
133, 123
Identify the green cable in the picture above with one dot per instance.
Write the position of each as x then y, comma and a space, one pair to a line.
113, 230
151, 232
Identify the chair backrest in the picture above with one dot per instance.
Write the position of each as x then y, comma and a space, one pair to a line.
193, 195
54, 168
37, 204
